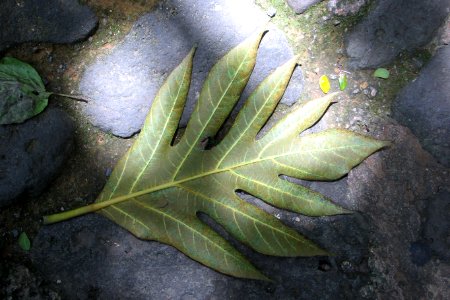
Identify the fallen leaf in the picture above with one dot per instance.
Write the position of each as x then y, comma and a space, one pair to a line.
24, 241
324, 84
22, 91
158, 188
342, 81
381, 73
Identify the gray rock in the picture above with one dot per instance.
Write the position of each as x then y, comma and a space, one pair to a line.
346, 7
436, 229
391, 187
392, 27
300, 6
92, 254
123, 84
424, 106
32, 153
63, 21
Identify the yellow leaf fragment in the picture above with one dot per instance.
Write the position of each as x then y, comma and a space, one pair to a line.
324, 84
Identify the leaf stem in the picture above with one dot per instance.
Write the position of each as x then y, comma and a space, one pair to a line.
76, 97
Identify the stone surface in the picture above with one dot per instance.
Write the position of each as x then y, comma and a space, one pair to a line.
18, 282
391, 187
32, 153
62, 21
111, 263
124, 83
346, 7
392, 27
300, 6
386, 191
424, 106
436, 229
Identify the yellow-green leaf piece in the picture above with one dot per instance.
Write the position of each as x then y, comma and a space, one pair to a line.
24, 241
157, 189
342, 81
324, 84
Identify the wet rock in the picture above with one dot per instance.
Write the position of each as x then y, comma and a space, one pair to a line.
300, 6
63, 21
392, 27
424, 106
32, 153
346, 7
124, 83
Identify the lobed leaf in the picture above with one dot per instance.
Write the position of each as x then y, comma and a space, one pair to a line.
157, 189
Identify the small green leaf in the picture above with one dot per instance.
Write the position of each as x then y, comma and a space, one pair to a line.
24, 241
342, 81
324, 83
381, 73
22, 91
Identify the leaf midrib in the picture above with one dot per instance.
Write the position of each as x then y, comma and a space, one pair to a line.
119, 199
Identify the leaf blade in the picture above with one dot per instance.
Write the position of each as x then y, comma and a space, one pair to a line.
22, 91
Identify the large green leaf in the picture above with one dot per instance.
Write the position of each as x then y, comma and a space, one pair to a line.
157, 189
22, 92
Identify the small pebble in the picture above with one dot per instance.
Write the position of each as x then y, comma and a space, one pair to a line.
356, 91
15, 233
324, 266
271, 12
347, 267
373, 91
58, 281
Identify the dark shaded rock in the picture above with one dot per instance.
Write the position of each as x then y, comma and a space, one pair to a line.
424, 106
437, 224
420, 252
123, 84
116, 265
391, 187
346, 7
392, 27
32, 153
300, 6
63, 21
17, 282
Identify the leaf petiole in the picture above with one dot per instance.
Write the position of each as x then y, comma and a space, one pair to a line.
76, 97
